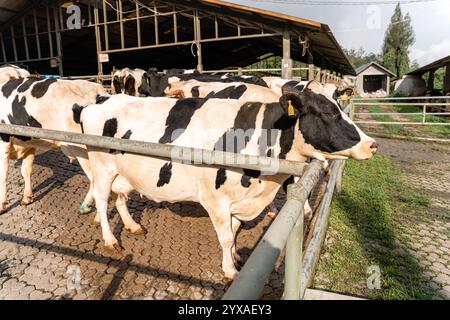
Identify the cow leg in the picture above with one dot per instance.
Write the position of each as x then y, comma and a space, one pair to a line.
102, 189
307, 210
4, 166
273, 211
88, 203
26, 170
129, 223
221, 220
235, 224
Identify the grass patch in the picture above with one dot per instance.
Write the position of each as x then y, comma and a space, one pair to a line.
395, 129
363, 232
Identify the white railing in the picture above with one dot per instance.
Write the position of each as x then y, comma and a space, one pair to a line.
392, 103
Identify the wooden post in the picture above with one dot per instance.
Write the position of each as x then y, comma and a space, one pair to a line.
447, 79
310, 72
319, 75
430, 85
286, 68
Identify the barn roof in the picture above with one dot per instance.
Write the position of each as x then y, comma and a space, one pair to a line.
432, 66
363, 67
324, 48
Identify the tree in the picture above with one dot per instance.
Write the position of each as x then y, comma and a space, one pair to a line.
398, 39
360, 57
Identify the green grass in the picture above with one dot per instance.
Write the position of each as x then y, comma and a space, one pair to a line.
364, 232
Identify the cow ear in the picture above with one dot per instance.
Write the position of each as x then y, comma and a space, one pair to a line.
291, 103
344, 94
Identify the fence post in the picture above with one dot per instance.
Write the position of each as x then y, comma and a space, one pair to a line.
294, 252
424, 113
351, 114
340, 178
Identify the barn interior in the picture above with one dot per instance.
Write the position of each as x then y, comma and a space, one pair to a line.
87, 37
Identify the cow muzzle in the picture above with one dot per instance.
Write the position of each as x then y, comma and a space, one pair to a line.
365, 150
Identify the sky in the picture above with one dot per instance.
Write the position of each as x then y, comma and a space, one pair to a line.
365, 25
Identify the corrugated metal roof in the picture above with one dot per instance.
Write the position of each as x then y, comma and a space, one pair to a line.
324, 48
432, 66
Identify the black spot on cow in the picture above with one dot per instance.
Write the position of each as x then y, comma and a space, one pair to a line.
246, 177
76, 113
3, 136
179, 118
195, 92
231, 92
286, 183
144, 87
268, 137
129, 86
110, 128
101, 99
20, 116
164, 174
28, 83
244, 123
117, 84
221, 177
127, 136
41, 88
10, 86
322, 124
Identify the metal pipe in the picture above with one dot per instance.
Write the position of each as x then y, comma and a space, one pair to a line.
3, 48
406, 123
401, 104
253, 276
312, 252
49, 31
399, 98
25, 39
36, 30
293, 260
174, 153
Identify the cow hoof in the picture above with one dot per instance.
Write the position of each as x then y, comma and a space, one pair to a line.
114, 248
86, 208
230, 277
26, 201
139, 231
272, 215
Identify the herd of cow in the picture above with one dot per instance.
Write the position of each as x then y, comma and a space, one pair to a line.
278, 118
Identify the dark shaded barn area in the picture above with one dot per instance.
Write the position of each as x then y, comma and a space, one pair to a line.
207, 35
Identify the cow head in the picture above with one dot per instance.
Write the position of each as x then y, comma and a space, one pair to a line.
175, 90
324, 131
9, 71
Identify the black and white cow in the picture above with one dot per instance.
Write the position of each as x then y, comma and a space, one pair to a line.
41, 103
133, 82
159, 82
301, 125
220, 90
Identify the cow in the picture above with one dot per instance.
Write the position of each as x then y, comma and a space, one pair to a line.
41, 103
300, 126
133, 82
159, 82
220, 90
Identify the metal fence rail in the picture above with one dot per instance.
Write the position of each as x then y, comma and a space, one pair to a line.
393, 102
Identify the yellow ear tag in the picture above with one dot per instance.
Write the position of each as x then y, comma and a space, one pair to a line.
291, 110
345, 97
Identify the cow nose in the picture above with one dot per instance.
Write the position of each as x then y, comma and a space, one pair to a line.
374, 147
